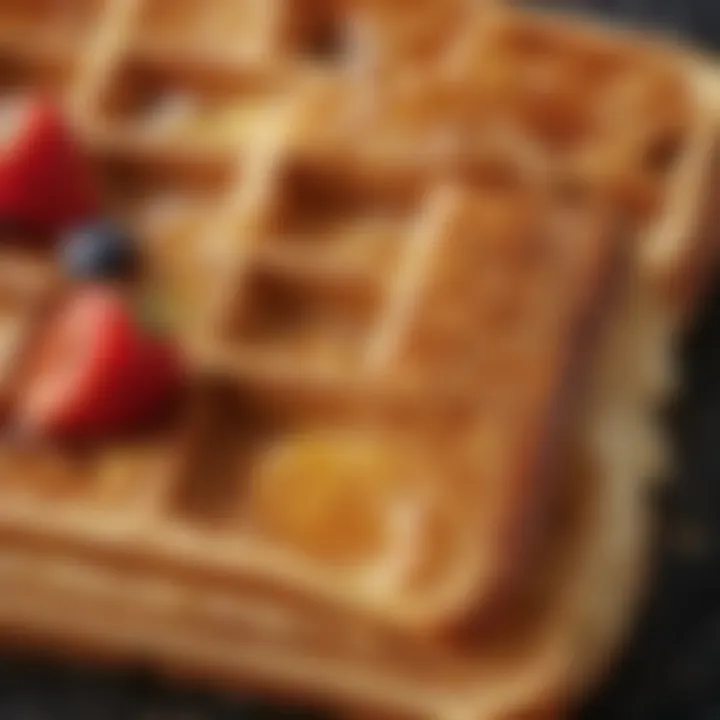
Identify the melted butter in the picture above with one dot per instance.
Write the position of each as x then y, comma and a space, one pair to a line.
336, 497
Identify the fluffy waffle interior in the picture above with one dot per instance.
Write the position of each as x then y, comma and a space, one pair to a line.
308, 179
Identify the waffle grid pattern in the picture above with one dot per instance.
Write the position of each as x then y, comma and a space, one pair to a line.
330, 298
289, 302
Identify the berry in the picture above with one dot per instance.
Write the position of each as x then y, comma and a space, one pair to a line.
99, 250
46, 182
96, 370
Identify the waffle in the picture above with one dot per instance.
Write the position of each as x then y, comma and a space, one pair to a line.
326, 277
555, 638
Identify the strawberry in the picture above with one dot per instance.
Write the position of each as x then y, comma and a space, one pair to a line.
46, 183
97, 371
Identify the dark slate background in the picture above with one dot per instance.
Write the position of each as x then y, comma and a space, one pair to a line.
672, 669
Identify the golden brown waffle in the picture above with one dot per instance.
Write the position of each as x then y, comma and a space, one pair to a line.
545, 646
606, 114
397, 216
224, 494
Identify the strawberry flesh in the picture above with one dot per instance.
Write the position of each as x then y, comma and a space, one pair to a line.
97, 371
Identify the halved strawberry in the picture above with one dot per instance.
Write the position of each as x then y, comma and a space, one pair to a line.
96, 371
46, 182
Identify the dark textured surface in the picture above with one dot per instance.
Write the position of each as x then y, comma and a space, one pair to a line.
672, 669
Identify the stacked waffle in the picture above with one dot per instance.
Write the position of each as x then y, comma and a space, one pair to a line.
427, 261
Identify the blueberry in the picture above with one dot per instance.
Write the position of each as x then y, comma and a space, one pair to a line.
101, 250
